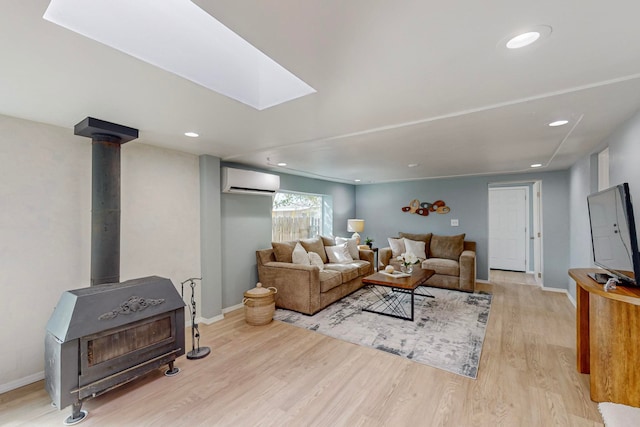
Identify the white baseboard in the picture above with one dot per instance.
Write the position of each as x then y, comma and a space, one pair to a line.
210, 320
547, 289
21, 382
232, 308
572, 300
206, 321
221, 316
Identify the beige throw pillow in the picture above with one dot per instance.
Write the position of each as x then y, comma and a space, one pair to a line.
397, 246
328, 240
447, 247
283, 251
315, 245
352, 246
300, 256
416, 248
338, 254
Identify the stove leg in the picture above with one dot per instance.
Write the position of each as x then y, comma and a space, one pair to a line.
77, 414
172, 370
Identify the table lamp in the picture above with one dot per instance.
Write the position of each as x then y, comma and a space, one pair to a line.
356, 226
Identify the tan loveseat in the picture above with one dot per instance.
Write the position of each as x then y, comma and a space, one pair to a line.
451, 257
308, 288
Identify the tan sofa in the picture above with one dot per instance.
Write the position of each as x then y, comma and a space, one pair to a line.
451, 257
306, 288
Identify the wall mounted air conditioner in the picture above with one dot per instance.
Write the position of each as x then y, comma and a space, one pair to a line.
249, 182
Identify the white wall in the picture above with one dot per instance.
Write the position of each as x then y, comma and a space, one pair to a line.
160, 220
624, 158
45, 196
580, 186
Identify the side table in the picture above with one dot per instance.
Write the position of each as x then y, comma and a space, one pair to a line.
375, 258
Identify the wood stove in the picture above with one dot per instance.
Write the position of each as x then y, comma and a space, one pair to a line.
104, 336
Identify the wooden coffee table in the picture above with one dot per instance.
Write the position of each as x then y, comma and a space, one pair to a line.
389, 304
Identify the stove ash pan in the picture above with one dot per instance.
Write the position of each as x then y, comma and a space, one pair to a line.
106, 335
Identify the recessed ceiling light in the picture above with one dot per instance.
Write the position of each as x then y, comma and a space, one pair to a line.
191, 134
357, 180
282, 164
526, 37
413, 165
558, 123
522, 40
536, 165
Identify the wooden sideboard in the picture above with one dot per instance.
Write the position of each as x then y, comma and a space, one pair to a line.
608, 339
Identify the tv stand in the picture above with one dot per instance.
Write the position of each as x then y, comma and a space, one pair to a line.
608, 338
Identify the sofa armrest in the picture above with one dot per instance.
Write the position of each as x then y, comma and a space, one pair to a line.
384, 257
298, 285
367, 255
468, 270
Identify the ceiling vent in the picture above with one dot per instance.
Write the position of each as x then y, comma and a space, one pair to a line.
249, 182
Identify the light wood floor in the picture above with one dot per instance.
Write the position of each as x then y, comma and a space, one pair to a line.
512, 277
280, 375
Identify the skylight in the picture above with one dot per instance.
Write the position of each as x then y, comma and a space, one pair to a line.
179, 37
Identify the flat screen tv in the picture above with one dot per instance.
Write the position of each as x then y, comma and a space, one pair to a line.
613, 234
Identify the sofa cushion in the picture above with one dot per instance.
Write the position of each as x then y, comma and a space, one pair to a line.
397, 246
315, 245
299, 255
283, 251
364, 267
415, 247
338, 254
329, 279
328, 240
448, 247
352, 246
314, 259
448, 267
348, 271
426, 238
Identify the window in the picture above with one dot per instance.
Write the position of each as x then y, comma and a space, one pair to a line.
296, 216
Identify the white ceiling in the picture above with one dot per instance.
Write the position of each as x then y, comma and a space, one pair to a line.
424, 82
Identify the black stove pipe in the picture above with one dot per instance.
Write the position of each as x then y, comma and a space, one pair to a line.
107, 139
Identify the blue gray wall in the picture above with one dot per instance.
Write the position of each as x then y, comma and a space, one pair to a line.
380, 206
246, 227
624, 159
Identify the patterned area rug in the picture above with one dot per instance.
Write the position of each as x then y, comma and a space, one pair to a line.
447, 333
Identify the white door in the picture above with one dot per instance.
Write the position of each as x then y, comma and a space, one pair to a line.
508, 234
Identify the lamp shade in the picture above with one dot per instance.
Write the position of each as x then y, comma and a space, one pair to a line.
355, 225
